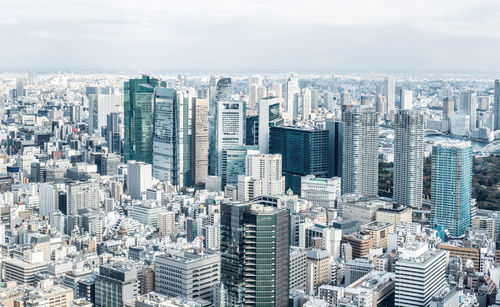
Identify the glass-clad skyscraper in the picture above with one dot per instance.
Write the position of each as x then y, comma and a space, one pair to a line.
138, 118
451, 186
219, 91
254, 254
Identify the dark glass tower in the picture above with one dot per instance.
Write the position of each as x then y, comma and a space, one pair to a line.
255, 255
138, 118
304, 152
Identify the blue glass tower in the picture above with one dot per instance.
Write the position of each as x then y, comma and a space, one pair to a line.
304, 152
451, 186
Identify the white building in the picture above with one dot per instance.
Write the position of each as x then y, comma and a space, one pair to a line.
139, 178
323, 192
47, 194
82, 194
389, 91
420, 274
291, 95
269, 112
231, 117
166, 223
406, 99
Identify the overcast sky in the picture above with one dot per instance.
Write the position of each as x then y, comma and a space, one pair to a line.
254, 35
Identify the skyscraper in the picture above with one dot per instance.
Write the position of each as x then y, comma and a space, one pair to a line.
269, 116
451, 186
254, 273
408, 157
380, 104
497, 104
305, 99
448, 108
100, 106
304, 152
138, 178
389, 93
230, 126
468, 106
220, 90
200, 141
335, 147
172, 140
360, 163
253, 85
406, 99
138, 118
291, 93
263, 176
233, 162
114, 132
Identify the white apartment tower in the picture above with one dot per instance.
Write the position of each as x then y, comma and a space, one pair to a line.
262, 177
389, 91
408, 157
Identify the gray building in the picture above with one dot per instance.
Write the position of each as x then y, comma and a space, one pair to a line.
408, 158
298, 268
188, 274
497, 104
360, 163
82, 194
115, 284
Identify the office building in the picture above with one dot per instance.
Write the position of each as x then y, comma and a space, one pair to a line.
408, 158
166, 223
232, 162
451, 186
357, 268
254, 83
146, 213
115, 284
172, 141
138, 118
269, 116
200, 141
100, 106
420, 274
82, 194
360, 164
378, 287
114, 132
322, 192
230, 127
389, 91
335, 147
262, 177
291, 95
394, 215
138, 178
304, 152
21, 271
220, 90
361, 243
379, 232
48, 199
187, 274
448, 108
380, 105
252, 274
485, 223
298, 268
318, 269
406, 102
252, 130
305, 103
468, 106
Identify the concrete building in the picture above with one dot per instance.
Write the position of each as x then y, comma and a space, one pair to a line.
318, 269
230, 127
360, 163
395, 215
322, 192
82, 194
361, 243
200, 141
378, 232
408, 158
298, 269
188, 274
139, 178
115, 284
262, 177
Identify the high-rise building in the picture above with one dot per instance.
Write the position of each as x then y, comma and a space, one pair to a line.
408, 157
406, 100
200, 141
115, 284
305, 103
262, 177
100, 106
420, 274
291, 95
277, 88
468, 106
380, 104
138, 118
269, 116
166, 223
448, 108
230, 127
451, 186
82, 194
220, 90
47, 195
114, 132
172, 140
389, 91
335, 147
360, 162
304, 151
138, 179
187, 274
497, 104
253, 273
252, 130
232, 161
253, 85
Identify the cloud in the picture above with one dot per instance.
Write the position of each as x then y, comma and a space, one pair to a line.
254, 35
